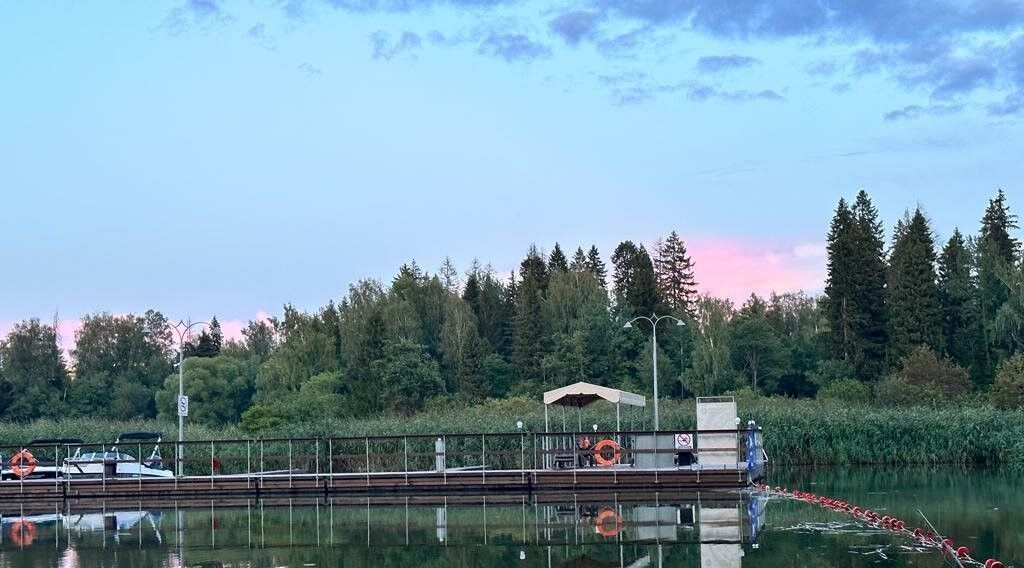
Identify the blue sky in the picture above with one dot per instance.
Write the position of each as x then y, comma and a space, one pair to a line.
218, 156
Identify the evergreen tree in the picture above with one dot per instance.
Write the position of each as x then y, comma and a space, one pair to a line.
855, 287
579, 261
557, 260
674, 269
635, 285
997, 252
449, 275
915, 316
596, 266
528, 327
958, 302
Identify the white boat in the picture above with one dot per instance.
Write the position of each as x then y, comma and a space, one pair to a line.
114, 462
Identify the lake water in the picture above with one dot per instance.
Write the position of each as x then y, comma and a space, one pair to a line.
981, 509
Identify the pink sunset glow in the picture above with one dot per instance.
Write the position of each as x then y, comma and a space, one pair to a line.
734, 269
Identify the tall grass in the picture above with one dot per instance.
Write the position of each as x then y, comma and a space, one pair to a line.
797, 432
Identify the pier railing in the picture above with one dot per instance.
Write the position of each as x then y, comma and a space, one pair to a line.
368, 455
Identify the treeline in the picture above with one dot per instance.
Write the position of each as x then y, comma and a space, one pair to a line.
905, 322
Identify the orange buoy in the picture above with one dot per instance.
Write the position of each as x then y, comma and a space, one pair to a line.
23, 532
614, 455
23, 463
608, 523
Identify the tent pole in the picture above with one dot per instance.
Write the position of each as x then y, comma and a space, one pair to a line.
546, 428
617, 427
579, 418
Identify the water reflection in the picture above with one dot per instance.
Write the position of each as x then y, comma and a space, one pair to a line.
708, 530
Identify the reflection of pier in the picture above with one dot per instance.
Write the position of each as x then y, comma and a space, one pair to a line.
632, 529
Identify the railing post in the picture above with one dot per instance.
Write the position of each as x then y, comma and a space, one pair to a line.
140, 466
405, 442
483, 458
211, 463
330, 463
248, 469
367, 440
262, 468
289, 463
522, 458
316, 449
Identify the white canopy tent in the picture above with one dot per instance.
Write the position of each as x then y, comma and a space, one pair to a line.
582, 394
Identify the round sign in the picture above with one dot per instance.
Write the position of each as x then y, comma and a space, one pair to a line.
684, 441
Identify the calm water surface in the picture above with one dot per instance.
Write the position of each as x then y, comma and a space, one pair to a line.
981, 509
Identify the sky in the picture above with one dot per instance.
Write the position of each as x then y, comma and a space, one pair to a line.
225, 157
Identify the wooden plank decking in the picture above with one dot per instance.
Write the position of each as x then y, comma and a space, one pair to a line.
392, 484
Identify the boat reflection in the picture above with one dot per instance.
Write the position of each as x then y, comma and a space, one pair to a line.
710, 530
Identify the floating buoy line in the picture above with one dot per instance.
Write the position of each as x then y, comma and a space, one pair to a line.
925, 537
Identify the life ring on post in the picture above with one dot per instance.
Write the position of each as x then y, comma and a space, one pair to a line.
608, 523
23, 464
23, 532
607, 452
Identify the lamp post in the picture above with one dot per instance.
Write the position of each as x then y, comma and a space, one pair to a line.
653, 320
182, 329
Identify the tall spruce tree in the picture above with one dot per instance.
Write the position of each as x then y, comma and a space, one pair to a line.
997, 251
557, 260
529, 334
579, 260
636, 288
596, 266
855, 287
958, 302
674, 269
915, 316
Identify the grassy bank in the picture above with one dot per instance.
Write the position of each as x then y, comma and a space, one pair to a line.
796, 431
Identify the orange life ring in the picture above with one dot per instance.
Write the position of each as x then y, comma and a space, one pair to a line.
599, 452
601, 523
23, 532
23, 464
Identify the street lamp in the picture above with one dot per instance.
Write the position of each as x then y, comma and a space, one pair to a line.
653, 320
183, 329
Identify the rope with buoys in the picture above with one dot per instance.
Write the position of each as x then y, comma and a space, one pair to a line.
924, 537
23, 463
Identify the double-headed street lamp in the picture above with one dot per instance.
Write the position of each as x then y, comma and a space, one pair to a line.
183, 329
653, 320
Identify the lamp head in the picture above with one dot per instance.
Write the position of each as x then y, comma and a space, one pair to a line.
628, 325
519, 424
680, 322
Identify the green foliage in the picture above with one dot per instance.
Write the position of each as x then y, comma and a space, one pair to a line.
219, 389
895, 390
915, 317
934, 376
712, 372
855, 287
1008, 390
636, 286
674, 269
958, 300
33, 376
120, 362
847, 391
756, 350
408, 377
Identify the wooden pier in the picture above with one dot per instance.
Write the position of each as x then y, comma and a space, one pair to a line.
473, 464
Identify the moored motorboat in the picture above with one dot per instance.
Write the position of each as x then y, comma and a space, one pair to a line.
114, 462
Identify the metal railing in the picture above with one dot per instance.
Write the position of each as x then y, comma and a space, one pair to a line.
404, 454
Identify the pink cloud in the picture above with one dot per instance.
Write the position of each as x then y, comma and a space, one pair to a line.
232, 329
734, 269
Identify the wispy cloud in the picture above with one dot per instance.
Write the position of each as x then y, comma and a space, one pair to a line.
513, 47
385, 49
720, 63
